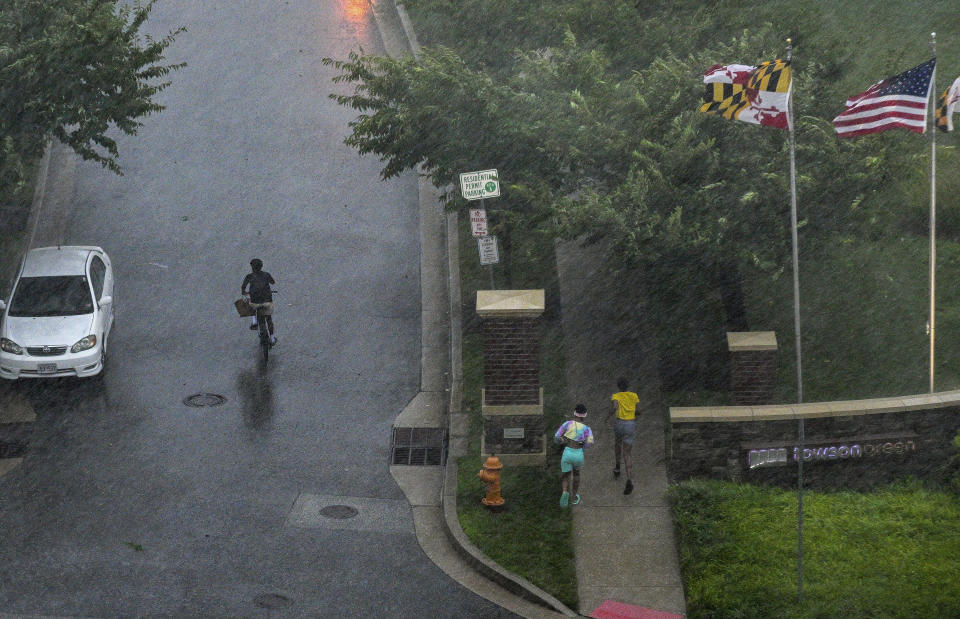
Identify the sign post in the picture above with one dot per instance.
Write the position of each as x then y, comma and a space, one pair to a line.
477, 186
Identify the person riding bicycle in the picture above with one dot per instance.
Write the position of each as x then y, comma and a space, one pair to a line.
261, 296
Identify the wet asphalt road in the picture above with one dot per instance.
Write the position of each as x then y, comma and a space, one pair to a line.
130, 503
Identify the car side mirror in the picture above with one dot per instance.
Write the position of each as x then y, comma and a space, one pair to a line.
3, 305
106, 300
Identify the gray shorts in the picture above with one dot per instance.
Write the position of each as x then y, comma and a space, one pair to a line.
624, 430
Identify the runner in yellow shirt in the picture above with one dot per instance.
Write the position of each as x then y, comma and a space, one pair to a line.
626, 407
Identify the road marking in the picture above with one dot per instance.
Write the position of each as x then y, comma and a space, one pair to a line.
387, 515
8, 464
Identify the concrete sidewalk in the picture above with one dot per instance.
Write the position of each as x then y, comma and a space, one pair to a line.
624, 544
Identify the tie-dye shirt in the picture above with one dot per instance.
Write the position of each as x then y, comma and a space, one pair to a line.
575, 431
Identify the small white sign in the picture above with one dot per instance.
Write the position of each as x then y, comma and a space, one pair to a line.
482, 184
478, 221
513, 433
488, 250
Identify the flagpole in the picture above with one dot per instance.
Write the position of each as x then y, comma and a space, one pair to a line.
933, 211
796, 329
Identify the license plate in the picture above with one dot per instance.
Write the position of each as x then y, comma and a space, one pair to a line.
47, 368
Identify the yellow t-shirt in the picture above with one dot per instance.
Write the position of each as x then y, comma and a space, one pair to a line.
626, 404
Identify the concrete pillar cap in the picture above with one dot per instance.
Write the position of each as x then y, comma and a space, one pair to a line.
744, 341
510, 303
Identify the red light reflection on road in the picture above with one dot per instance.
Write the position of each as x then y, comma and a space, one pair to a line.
356, 11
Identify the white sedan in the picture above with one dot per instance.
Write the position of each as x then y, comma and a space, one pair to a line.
60, 313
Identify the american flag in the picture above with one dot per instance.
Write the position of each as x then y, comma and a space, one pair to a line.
898, 101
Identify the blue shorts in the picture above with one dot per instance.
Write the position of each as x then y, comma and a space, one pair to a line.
571, 460
624, 429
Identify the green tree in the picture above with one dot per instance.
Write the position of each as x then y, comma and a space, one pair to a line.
72, 70
583, 152
686, 198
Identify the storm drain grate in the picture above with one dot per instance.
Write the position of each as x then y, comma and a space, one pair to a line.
200, 400
419, 446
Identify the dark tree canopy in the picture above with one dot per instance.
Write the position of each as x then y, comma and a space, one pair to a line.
73, 69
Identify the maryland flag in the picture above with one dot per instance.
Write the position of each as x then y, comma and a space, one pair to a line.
945, 106
759, 95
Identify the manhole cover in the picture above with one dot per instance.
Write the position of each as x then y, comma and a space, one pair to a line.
272, 600
200, 400
340, 512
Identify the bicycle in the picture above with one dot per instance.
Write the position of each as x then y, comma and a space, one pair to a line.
263, 330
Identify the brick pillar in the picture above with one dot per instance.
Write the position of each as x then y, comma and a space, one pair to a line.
511, 360
512, 399
753, 358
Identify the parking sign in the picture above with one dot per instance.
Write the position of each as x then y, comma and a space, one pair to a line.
488, 250
478, 185
478, 221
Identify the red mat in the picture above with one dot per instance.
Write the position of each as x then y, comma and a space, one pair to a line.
618, 610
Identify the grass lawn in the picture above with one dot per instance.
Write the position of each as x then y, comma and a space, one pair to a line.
533, 536
894, 552
891, 552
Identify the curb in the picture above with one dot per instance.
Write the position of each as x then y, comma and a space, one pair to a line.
38, 194
481, 562
407, 27
448, 496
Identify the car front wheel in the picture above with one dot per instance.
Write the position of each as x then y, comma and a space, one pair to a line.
103, 363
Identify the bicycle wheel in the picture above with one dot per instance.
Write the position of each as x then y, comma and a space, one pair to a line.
264, 333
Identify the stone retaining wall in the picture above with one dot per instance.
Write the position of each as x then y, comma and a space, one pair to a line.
849, 444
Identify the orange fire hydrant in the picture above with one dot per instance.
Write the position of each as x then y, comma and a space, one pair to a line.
490, 475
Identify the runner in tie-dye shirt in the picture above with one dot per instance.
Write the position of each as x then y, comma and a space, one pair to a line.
575, 436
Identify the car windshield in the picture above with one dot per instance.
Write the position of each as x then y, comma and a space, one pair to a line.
52, 296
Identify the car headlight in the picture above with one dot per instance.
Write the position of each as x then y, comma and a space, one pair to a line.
85, 344
10, 346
